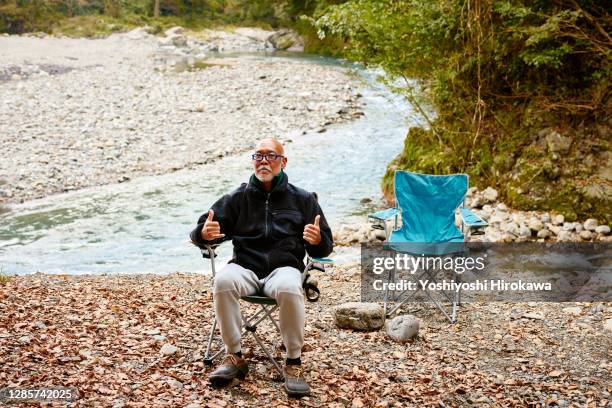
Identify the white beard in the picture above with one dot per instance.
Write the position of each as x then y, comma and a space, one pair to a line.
264, 177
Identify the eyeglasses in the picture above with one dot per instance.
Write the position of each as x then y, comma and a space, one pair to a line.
269, 156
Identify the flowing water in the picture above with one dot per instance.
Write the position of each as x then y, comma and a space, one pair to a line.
143, 226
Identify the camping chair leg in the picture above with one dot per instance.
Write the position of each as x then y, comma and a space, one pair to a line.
252, 328
269, 314
208, 359
439, 306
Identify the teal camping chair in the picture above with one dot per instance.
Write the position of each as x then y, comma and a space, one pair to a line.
427, 205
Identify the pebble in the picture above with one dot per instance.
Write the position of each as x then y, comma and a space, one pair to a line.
168, 349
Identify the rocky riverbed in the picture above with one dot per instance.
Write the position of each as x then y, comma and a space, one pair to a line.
505, 224
77, 112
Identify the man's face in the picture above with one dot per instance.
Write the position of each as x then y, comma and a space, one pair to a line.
267, 168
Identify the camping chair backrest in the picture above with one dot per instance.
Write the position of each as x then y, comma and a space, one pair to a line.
428, 204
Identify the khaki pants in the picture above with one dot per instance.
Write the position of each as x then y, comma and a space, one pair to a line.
283, 284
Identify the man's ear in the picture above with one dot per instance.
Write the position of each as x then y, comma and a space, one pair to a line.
284, 163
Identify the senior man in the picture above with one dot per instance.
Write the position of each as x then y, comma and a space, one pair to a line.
272, 224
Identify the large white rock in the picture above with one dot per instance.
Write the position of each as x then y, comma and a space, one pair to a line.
535, 224
490, 194
590, 224
402, 328
359, 316
602, 229
558, 219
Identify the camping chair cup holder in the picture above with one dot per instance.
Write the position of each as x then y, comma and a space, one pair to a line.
267, 307
427, 232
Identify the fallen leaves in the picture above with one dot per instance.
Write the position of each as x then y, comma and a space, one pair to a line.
104, 336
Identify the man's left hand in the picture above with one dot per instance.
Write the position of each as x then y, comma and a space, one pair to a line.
312, 232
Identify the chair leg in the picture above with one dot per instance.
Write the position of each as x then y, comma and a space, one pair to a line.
208, 359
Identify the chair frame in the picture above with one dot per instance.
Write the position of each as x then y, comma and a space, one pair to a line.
471, 224
267, 307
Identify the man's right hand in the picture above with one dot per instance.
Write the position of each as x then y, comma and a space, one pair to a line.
211, 229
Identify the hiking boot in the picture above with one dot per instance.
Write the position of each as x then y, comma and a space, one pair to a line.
295, 384
232, 367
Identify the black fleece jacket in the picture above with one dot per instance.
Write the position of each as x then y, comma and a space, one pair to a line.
266, 228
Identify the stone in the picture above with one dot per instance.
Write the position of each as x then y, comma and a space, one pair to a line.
168, 349
524, 231
534, 316
178, 40
490, 194
586, 235
608, 325
544, 233
578, 227
511, 228
284, 39
176, 30
565, 236
590, 224
402, 328
159, 337
557, 143
602, 229
359, 316
573, 310
558, 219
535, 224
545, 217
502, 207
569, 226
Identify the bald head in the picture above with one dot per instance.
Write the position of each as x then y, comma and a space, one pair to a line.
272, 162
270, 144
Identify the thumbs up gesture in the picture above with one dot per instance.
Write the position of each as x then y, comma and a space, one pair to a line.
211, 229
312, 232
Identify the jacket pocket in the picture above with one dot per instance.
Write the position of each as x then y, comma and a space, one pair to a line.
287, 223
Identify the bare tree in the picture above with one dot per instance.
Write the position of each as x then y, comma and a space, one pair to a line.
156, 9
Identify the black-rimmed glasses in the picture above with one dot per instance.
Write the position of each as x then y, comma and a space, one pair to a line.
268, 156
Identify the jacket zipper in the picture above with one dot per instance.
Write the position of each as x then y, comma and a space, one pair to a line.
266, 235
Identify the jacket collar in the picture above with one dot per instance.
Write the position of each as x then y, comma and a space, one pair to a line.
279, 183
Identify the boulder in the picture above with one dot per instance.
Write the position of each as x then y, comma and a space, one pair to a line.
558, 219
544, 233
359, 316
490, 195
602, 229
557, 143
284, 39
590, 224
402, 328
176, 30
586, 235
535, 224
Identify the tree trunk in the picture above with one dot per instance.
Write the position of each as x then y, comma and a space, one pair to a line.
156, 9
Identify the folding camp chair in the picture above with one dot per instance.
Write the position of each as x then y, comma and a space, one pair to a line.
427, 205
267, 307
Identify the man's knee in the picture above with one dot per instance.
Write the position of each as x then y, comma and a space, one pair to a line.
287, 281
226, 280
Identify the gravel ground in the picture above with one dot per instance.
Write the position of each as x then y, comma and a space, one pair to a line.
104, 334
77, 112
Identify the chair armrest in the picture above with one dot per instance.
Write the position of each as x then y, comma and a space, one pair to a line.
208, 251
384, 215
471, 220
328, 261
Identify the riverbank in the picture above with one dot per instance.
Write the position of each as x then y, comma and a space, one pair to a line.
103, 335
76, 113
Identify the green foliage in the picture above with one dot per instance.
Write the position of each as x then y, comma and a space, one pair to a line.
496, 73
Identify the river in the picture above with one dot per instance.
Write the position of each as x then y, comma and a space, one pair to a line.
142, 226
